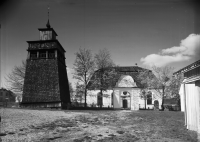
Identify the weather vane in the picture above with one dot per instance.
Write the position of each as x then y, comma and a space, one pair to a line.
48, 11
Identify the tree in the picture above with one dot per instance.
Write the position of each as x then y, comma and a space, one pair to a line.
71, 90
83, 68
105, 73
159, 79
79, 91
15, 79
145, 77
175, 85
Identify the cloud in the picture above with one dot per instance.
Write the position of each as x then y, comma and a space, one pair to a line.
188, 48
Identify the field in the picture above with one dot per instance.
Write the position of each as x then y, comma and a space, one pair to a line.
85, 125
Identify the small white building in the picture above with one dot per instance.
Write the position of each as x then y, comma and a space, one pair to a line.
190, 96
125, 93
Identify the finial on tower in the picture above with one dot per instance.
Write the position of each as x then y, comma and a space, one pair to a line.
48, 24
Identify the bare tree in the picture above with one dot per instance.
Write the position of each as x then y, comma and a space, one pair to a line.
159, 79
146, 78
105, 73
15, 79
175, 85
83, 68
79, 92
71, 90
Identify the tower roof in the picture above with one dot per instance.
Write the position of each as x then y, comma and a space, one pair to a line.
48, 24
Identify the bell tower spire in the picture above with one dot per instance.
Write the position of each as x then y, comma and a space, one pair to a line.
48, 24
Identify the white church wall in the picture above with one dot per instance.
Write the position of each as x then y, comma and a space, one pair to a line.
155, 96
92, 97
135, 99
116, 99
118, 92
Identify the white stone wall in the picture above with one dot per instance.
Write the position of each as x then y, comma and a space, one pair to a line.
116, 99
155, 96
92, 97
133, 101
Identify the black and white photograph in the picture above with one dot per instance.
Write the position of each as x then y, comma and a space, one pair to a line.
99, 71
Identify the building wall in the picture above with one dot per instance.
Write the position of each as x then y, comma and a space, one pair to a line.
41, 82
182, 97
197, 85
92, 98
7, 96
133, 101
155, 96
192, 106
63, 84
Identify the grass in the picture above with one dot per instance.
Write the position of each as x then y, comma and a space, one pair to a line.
101, 126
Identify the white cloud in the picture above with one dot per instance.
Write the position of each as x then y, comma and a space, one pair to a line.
175, 49
188, 48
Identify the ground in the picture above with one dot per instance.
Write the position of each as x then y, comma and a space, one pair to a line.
84, 125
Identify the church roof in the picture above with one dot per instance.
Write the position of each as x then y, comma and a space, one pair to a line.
132, 71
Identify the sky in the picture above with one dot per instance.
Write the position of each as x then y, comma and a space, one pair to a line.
146, 32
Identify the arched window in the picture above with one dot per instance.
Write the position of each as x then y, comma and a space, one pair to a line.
149, 98
125, 92
112, 99
99, 99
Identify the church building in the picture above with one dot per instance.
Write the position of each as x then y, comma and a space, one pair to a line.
125, 92
46, 81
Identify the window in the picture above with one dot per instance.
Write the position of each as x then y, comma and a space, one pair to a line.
149, 98
33, 54
112, 99
51, 54
125, 92
99, 99
42, 54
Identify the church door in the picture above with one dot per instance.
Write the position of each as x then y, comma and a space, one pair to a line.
125, 103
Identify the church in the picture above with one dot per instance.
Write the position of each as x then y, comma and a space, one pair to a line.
125, 92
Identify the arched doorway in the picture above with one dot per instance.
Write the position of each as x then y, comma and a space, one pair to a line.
99, 99
125, 100
156, 104
125, 103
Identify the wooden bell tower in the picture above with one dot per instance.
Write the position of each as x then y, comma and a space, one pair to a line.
46, 82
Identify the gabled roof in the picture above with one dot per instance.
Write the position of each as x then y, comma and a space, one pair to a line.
188, 68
